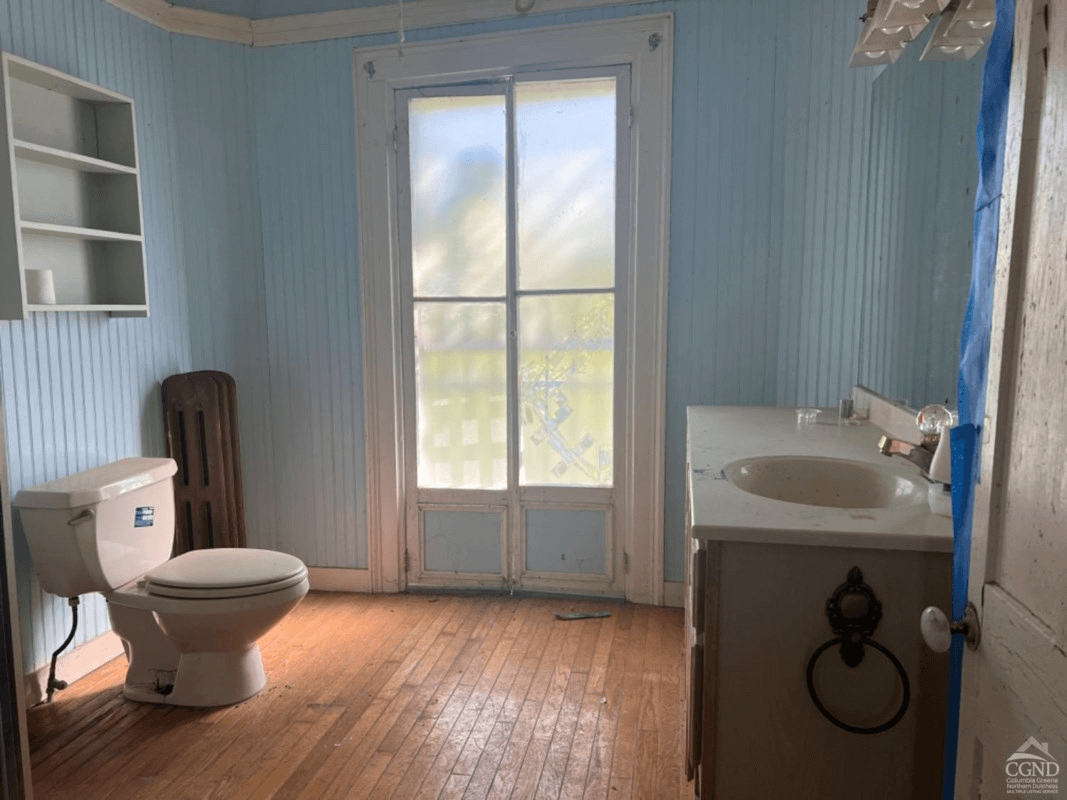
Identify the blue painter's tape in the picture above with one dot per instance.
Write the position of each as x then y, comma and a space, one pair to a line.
974, 350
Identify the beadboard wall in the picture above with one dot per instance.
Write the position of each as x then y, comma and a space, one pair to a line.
920, 218
248, 165
770, 131
306, 150
83, 389
214, 125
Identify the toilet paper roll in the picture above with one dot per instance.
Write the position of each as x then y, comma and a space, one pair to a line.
40, 287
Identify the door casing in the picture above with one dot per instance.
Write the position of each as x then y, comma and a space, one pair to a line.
645, 44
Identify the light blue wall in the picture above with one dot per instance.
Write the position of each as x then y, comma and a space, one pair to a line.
83, 389
920, 214
769, 132
214, 126
248, 165
305, 147
768, 162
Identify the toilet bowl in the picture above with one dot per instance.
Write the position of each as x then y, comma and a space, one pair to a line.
189, 625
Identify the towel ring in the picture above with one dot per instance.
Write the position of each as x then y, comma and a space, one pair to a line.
840, 640
854, 611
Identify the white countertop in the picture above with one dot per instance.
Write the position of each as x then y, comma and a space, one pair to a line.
717, 436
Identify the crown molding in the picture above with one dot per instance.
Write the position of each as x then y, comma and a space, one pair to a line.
338, 24
189, 21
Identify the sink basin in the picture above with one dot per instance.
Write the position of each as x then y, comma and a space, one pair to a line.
826, 482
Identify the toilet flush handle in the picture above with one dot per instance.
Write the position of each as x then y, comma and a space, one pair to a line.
85, 516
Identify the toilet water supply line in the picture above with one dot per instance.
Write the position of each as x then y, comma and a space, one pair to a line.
54, 684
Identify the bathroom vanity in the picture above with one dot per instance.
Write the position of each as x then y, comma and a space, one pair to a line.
764, 564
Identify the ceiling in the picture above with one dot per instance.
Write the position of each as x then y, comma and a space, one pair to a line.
265, 9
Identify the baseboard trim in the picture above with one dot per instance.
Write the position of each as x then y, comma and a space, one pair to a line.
331, 579
674, 594
74, 665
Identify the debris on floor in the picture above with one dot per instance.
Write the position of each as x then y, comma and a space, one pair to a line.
581, 614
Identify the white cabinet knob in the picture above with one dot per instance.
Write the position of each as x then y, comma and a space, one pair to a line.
937, 631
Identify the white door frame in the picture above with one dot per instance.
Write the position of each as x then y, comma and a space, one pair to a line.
644, 43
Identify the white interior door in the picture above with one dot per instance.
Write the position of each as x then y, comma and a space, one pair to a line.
513, 227
1013, 726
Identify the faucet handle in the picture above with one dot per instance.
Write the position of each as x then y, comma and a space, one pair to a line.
933, 419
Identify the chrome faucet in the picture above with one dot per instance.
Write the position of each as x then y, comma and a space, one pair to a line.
931, 420
921, 455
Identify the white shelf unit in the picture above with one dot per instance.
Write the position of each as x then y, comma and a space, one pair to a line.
70, 194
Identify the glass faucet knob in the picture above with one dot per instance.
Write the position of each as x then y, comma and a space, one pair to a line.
932, 419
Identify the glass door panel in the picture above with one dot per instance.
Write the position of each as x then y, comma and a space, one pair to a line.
509, 238
566, 383
458, 196
461, 395
566, 133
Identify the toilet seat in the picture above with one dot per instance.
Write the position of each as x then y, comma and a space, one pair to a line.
224, 572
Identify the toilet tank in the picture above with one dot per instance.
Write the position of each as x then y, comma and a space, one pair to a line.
97, 530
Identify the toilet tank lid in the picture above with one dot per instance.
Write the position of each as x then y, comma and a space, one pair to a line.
98, 484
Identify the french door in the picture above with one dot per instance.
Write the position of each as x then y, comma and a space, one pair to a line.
513, 224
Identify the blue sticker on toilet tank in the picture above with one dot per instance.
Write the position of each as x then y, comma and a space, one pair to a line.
145, 517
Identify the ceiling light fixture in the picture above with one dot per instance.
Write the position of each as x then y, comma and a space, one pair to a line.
962, 31
964, 27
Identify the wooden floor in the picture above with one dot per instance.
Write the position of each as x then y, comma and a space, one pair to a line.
399, 696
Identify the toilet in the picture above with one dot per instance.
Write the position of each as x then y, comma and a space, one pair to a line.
189, 624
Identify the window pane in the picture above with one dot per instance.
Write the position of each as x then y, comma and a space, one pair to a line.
566, 372
458, 233
566, 193
460, 387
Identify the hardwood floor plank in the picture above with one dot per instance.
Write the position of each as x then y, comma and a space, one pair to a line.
482, 672
498, 676
415, 723
603, 747
629, 710
537, 750
402, 697
559, 749
457, 693
358, 748
526, 720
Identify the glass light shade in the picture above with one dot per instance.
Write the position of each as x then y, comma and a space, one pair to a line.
876, 35
874, 58
882, 33
912, 12
961, 33
957, 52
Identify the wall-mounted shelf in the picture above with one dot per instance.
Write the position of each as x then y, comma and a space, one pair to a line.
74, 232
70, 195
61, 158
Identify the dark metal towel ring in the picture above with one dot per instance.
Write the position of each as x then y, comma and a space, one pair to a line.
854, 613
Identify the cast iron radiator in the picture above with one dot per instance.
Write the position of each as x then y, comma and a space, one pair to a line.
200, 418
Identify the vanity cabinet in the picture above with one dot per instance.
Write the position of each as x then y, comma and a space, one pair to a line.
70, 196
756, 612
755, 616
